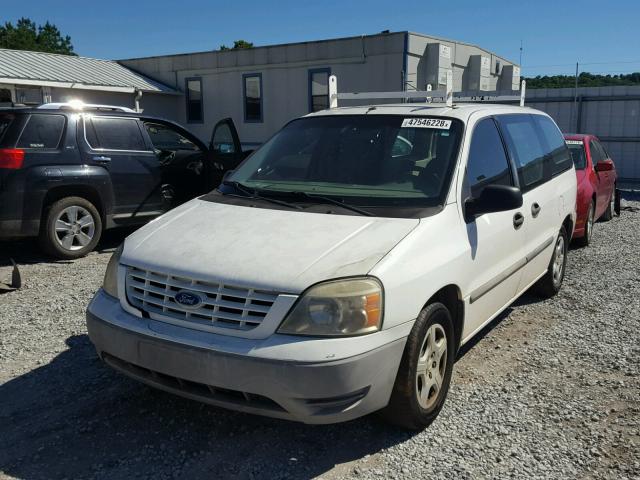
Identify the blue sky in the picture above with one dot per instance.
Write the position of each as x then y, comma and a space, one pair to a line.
602, 35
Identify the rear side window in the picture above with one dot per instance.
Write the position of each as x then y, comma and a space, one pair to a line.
526, 149
487, 164
114, 133
42, 131
559, 158
5, 121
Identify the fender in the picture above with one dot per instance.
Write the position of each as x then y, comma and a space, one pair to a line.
45, 184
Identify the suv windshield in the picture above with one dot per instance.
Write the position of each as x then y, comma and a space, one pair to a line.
377, 160
576, 147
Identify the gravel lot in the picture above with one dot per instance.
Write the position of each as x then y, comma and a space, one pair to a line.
549, 390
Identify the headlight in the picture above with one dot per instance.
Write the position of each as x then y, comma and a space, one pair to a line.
337, 308
110, 283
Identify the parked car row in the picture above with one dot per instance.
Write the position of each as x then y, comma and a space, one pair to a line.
333, 273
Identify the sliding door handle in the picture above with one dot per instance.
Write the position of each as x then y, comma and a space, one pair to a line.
518, 220
535, 210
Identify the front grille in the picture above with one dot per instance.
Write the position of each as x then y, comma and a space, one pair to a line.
222, 306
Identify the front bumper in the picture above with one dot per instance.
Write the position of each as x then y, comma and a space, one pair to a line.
340, 379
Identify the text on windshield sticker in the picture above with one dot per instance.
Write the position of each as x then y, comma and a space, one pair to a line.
426, 123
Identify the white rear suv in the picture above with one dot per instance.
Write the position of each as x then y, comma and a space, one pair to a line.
339, 268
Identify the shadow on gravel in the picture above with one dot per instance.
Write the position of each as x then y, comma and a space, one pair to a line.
525, 299
27, 251
75, 418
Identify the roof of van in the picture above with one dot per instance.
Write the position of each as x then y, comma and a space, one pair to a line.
462, 110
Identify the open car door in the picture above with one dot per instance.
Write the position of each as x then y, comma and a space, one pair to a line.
225, 150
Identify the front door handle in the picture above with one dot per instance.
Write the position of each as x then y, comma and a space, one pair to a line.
518, 220
102, 159
535, 210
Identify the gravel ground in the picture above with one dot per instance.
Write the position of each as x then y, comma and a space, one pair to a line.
549, 390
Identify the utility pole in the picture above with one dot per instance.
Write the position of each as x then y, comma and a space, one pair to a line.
520, 61
575, 100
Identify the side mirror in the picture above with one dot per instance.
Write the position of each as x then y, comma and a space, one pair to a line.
604, 166
227, 174
494, 198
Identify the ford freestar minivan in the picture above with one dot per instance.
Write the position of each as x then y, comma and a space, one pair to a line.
340, 267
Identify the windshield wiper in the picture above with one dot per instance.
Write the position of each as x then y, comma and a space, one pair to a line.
323, 199
253, 193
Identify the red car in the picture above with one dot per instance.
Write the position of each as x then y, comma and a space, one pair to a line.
596, 175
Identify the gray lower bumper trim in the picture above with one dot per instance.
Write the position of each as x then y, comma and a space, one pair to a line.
326, 392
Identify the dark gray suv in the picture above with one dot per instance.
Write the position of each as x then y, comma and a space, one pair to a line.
68, 174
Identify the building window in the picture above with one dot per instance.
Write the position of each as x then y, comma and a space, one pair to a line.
193, 89
319, 89
252, 91
29, 95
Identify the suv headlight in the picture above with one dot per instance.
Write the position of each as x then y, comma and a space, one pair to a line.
337, 308
110, 283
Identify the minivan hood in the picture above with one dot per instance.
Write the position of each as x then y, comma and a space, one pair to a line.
276, 250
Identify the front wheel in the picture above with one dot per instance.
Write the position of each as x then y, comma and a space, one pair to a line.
71, 228
550, 284
424, 375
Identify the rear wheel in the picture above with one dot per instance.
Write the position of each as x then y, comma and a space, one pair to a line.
608, 214
588, 227
550, 284
424, 375
72, 228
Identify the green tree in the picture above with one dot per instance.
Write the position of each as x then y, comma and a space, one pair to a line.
26, 35
237, 44
585, 79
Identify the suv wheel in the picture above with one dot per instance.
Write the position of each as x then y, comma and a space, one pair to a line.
423, 378
550, 284
71, 229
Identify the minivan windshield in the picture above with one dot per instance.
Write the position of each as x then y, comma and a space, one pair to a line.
377, 160
576, 147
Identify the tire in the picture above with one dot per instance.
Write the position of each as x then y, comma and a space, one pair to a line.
616, 202
608, 213
585, 240
407, 408
550, 284
71, 228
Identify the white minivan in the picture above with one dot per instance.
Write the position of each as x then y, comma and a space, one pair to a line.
340, 267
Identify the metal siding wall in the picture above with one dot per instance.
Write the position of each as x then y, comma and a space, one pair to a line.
604, 118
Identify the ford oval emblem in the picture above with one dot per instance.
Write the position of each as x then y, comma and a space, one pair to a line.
188, 299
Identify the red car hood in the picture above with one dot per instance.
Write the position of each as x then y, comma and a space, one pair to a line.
580, 176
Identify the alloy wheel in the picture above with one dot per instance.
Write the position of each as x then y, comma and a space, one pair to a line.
432, 365
75, 228
558, 260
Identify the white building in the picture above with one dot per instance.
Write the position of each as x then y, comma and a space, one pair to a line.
260, 88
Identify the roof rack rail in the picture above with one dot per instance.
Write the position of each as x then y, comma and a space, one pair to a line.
84, 107
431, 96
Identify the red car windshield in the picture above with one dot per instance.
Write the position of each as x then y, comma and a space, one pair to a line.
576, 147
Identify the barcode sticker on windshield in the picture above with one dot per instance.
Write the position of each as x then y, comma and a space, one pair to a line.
573, 142
426, 123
